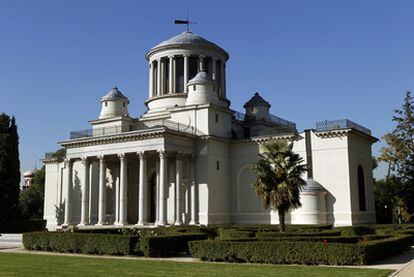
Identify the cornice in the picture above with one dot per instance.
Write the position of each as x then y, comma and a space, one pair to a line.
345, 132
264, 139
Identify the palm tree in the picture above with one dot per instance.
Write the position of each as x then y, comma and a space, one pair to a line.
279, 178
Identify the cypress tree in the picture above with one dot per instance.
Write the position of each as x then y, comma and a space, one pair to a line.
9, 169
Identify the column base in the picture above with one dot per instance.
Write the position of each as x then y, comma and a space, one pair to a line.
141, 224
99, 224
83, 224
121, 223
177, 223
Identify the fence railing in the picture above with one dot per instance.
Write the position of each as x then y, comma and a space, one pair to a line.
95, 132
330, 125
272, 118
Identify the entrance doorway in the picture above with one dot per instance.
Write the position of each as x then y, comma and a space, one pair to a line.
152, 198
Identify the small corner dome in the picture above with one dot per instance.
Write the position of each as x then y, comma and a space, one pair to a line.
313, 186
187, 39
113, 95
201, 77
256, 101
114, 104
29, 173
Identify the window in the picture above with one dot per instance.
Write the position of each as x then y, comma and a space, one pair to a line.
194, 87
361, 189
216, 117
123, 104
106, 104
218, 165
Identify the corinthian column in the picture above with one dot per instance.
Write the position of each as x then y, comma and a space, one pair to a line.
193, 191
178, 184
201, 63
151, 80
163, 182
69, 165
85, 193
186, 71
123, 191
214, 69
171, 75
158, 77
102, 191
142, 213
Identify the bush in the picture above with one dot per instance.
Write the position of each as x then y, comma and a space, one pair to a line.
235, 234
357, 230
167, 246
278, 252
281, 251
22, 226
81, 243
375, 250
271, 235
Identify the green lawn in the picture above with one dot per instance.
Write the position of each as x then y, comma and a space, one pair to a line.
49, 265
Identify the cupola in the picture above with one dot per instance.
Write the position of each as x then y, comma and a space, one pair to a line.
202, 90
114, 104
257, 108
176, 61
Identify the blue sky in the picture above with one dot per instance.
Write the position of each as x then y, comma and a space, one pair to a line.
313, 60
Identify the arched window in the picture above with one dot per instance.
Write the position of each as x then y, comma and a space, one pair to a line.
361, 189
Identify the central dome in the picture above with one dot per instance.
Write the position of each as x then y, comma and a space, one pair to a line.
187, 38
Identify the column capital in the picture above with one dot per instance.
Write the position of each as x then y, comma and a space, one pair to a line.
84, 160
141, 154
162, 153
171, 56
68, 161
121, 156
101, 158
186, 55
201, 56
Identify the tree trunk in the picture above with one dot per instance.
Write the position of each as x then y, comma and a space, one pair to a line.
281, 213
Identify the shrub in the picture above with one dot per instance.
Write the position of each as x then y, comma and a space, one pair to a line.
279, 252
380, 249
167, 246
81, 243
357, 230
284, 250
22, 226
271, 235
235, 234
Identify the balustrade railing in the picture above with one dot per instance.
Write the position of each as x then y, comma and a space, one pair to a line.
272, 118
94, 132
330, 125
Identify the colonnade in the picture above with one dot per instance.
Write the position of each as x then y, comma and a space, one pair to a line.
121, 190
158, 71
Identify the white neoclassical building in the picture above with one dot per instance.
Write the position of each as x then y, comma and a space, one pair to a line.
187, 159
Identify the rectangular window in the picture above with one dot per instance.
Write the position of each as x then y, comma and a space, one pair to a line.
179, 74
218, 165
216, 117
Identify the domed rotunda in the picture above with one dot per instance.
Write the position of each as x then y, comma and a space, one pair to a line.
176, 61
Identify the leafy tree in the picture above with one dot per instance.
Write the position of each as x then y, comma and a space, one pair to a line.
279, 178
31, 200
399, 152
9, 168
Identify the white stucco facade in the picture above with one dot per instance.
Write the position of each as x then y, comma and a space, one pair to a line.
188, 158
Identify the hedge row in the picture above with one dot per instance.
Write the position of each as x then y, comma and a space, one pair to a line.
167, 246
81, 243
277, 252
270, 235
22, 226
287, 252
111, 244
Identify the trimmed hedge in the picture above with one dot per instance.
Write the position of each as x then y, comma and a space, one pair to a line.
235, 234
271, 235
287, 252
277, 252
168, 246
81, 243
23, 226
357, 230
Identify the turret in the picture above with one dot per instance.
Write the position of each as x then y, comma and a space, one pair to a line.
114, 104
202, 90
257, 108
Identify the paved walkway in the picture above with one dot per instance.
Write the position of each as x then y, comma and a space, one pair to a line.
403, 264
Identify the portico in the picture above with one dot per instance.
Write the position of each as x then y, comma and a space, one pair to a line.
153, 185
